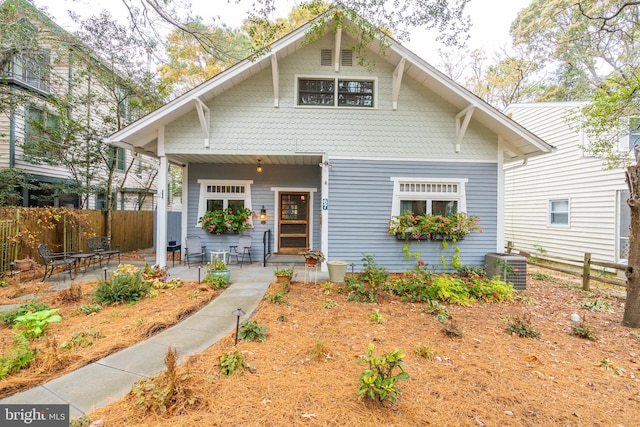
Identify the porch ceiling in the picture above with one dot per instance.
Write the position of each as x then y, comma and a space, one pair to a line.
278, 160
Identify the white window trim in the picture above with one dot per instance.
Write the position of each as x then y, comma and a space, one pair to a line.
559, 199
202, 201
336, 78
460, 196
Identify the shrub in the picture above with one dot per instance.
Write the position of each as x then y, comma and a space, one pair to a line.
216, 281
521, 326
249, 331
378, 382
123, 286
425, 351
583, 330
358, 291
10, 316
233, 362
34, 324
373, 273
18, 357
452, 328
277, 298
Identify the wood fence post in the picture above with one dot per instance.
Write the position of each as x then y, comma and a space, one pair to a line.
586, 272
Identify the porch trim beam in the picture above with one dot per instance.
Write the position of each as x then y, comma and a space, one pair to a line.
336, 50
203, 116
397, 82
461, 125
275, 75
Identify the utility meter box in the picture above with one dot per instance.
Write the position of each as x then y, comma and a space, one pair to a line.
510, 267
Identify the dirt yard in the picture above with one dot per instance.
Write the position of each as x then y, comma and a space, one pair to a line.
306, 372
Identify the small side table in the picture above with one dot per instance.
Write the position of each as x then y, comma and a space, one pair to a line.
173, 249
86, 259
220, 253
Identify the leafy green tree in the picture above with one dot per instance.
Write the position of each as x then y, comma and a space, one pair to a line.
191, 64
597, 45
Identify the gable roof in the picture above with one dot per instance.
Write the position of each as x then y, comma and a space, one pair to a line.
518, 142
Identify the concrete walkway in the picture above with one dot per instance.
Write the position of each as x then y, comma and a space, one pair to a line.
111, 378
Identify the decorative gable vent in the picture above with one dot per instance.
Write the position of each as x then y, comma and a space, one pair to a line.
346, 57
326, 57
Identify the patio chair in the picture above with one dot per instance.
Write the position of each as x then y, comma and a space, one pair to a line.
193, 248
54, 259
242, 249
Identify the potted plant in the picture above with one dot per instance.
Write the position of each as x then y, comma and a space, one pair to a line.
226, 220
313, 257
25, 264
218, 273
283, 274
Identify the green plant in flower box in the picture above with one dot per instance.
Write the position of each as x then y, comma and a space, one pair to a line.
227, 220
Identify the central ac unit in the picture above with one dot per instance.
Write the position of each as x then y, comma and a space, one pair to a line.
511, 268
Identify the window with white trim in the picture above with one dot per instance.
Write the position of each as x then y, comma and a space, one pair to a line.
559, 212
223, 194
336, 92
428, 196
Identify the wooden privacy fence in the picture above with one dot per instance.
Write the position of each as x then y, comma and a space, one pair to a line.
587, 268
66, 230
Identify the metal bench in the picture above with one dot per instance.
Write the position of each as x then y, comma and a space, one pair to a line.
101, 248
55, 259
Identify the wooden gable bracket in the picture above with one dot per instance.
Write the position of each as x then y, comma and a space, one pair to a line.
203, 116
461, 129
397, 81
275, 75
336, 50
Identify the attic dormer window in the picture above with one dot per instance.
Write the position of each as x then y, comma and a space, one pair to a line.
336, 92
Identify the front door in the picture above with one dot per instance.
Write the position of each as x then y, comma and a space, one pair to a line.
293, 228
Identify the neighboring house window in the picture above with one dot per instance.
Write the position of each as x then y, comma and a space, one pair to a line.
121, 158
428, 196
30, 70
559, 212
41, 129
223, 194
336, 92
628, 141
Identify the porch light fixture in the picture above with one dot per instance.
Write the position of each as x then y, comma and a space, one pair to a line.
263, 215
325, 164
259, 168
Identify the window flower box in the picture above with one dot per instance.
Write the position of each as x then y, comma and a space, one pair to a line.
408, 226
226, 220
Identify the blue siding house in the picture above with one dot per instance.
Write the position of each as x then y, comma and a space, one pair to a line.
330, 150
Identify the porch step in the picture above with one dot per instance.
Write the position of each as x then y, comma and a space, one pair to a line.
284, 260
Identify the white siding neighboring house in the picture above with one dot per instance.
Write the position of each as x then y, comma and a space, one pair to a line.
33, 78
340, 148
564, 204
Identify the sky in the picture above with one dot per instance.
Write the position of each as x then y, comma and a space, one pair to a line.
490, 19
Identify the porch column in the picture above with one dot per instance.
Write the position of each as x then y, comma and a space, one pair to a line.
324, 211
161, 226
500, 208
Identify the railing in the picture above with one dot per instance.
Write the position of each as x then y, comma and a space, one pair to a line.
266, 243
585, 267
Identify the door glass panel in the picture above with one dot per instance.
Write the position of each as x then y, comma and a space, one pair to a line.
293, 207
